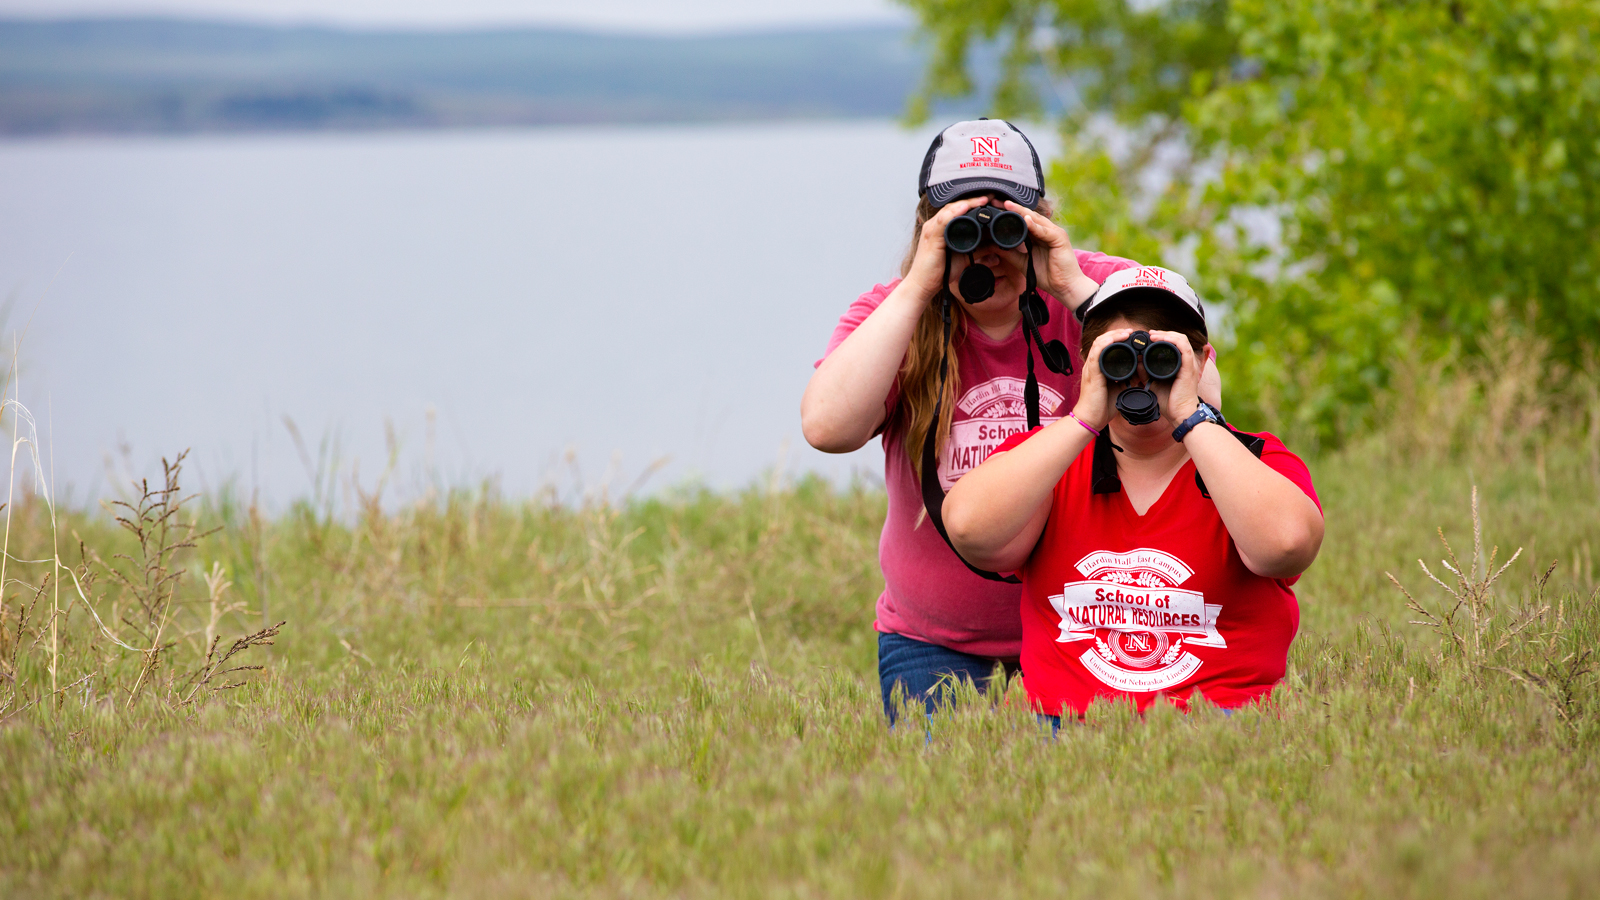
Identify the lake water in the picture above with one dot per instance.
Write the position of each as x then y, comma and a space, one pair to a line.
550, 307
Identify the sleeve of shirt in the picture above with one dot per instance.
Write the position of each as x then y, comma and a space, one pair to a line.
1283, 461
1099, 266
855, 315
1014, 440
850, 321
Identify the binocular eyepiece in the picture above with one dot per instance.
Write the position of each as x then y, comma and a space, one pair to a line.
967, 231
1119, 362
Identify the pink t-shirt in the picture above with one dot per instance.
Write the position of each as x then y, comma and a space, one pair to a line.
928, 594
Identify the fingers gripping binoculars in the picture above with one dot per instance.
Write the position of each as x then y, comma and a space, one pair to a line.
1119, 363
966, 232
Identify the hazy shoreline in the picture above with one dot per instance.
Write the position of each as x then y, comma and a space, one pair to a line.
162, 75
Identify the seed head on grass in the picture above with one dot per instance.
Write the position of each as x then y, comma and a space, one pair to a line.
1544, 661
1472, 593
212, 676
1557, 671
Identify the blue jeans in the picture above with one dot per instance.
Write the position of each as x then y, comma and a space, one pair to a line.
920, 666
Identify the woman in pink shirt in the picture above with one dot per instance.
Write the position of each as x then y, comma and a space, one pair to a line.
881, 375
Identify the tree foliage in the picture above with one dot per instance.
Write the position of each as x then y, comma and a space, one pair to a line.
1356, 181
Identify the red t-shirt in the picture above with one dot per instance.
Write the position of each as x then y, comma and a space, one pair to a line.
1118, 605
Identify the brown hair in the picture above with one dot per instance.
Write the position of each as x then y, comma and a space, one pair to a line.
919, 373
1150, 311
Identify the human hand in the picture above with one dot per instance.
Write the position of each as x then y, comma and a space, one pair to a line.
1183, 396
1054, 262
1094, 395
927, 269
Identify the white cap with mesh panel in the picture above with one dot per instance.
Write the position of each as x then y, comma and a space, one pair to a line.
1124, 283
981, 155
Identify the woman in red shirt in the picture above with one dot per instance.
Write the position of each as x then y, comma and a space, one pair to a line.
1156, 558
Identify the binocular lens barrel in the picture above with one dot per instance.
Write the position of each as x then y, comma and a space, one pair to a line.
1120, 361
1008, 229
1162, 360
963, 234
967, 231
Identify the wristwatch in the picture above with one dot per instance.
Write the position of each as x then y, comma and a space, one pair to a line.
1206, 413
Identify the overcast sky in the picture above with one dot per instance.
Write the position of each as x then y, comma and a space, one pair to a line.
631, 15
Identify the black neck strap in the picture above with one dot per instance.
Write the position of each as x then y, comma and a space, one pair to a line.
932, 493
1030, 336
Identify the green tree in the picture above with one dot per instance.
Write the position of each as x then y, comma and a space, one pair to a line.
1412, 172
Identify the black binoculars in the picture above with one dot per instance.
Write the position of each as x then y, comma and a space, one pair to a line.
967, 231
1119, 362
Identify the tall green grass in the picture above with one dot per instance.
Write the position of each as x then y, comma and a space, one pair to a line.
676, 696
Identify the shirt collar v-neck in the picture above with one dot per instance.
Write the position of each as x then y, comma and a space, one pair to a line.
1103, 478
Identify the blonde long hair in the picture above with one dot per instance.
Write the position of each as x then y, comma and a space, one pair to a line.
919, 373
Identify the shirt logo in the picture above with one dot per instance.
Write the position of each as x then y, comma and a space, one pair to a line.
1140, 621
996, 410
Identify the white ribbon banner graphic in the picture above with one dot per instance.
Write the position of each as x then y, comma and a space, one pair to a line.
1087, 605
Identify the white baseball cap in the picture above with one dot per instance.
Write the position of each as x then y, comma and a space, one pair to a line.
1125, 283
981, 155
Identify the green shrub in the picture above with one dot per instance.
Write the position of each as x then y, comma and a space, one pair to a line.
1356, 183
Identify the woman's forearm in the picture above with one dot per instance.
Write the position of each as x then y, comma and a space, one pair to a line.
843, 403
995, 513
1275, 526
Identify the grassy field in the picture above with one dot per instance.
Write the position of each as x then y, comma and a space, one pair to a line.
473, 696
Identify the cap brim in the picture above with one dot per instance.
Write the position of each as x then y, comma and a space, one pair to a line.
944, 192
1095, 306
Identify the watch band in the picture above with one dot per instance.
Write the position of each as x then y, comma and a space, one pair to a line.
1204, 413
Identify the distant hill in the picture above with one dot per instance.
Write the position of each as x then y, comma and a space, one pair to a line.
165, 75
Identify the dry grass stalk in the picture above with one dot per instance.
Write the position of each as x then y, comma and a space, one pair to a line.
152, 577
1590, 386
7, 713
8, 662
216, 668
1547, 666
609, 579
1503, 400
1467, 622
155, 520
218, 605
1513, 370
1557, 675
